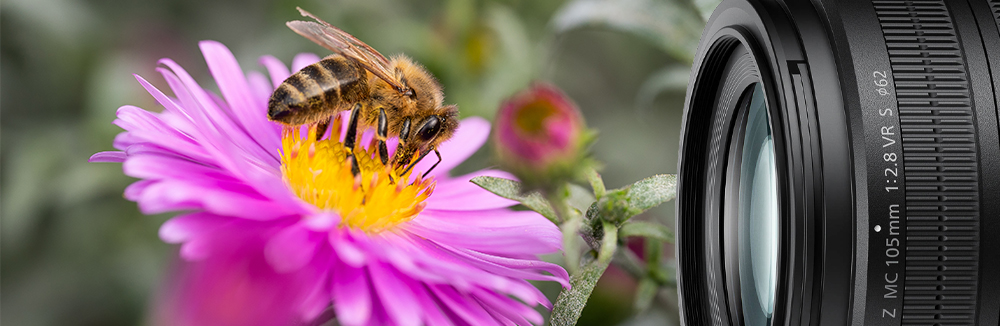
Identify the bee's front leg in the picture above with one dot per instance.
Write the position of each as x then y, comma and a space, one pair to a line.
435, 164
404, 133
419, 158
383, 130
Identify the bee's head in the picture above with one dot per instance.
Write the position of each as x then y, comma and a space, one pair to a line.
425, 132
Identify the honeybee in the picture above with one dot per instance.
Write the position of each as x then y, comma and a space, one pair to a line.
397, 96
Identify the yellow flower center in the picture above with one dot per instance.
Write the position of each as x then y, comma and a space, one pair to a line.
377, 199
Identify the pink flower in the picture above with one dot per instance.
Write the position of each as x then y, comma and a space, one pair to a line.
540, 135
234, 287
405, 250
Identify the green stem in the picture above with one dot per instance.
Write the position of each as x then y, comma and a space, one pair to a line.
624, 258
570, 303
569, 224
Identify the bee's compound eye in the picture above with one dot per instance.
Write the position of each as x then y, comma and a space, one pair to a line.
430, 128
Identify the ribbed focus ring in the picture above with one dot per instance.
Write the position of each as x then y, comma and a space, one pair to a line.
939, 162
995, 6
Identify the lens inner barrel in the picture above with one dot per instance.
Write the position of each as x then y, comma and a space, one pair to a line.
757, 211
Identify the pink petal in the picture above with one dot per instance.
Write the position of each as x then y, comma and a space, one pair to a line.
438, 260
493, 218
462, 305
351, 299
185, 227
135, 190
302, 60
395, 295
261, 89
517, 239
277, 70
171, 195
235, 89
196, 249
220, 131
318, 299
526, 292
347, 251
159, 144
517, 268
428, 265
155, 166
321, 221
462, 185
509, 307
292, 248
109, 156
135, 118
432, 313
167, 102
123, 140
207, 130
460, 194
223, 141
479, 200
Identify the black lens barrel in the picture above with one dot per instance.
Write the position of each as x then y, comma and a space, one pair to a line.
884, 116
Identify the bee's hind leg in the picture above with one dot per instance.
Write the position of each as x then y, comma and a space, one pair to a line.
351, 137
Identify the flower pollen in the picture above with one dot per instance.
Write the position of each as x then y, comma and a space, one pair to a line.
377, 199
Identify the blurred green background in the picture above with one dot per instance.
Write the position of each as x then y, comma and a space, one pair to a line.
74, 252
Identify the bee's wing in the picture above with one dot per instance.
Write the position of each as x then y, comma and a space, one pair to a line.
347, 45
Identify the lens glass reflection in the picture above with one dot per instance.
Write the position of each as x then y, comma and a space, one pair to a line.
758, 215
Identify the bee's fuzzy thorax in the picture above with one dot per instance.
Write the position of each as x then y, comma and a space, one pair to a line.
428, 90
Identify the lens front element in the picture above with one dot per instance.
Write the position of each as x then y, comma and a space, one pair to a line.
757, 215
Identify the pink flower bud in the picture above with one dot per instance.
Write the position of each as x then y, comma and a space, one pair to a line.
540, 134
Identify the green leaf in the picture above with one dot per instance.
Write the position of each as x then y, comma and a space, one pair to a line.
665, 274
571, 248
596, 183
570, 302
671, 25
647, 230
619, 205
653, 191
511, 189
644, 294
653, 251
579, 197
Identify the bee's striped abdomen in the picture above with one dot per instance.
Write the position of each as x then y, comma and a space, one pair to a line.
318, 91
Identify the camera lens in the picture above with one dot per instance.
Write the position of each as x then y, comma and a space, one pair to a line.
757, 211
840, 165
